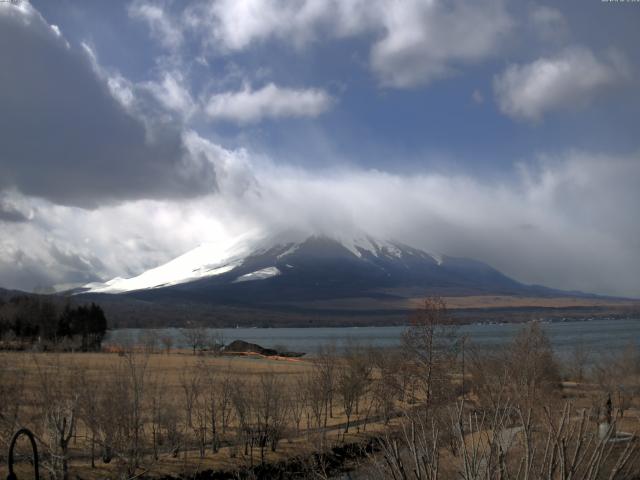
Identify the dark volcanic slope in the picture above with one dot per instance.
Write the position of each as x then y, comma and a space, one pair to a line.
321, 268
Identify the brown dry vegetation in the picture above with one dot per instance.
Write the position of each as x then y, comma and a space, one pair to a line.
265, 409
474, 301
436, 409
502, 301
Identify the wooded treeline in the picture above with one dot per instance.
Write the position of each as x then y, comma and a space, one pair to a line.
28, 320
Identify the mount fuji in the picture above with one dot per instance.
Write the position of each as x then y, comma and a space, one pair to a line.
278, 271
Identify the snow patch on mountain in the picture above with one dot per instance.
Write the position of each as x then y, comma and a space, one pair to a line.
365, 244
206, 260
290, 250
259, 275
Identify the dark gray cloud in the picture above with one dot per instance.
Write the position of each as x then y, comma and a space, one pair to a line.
18, 270
9, 213
12, 216
41, 269
77, 263
66, 138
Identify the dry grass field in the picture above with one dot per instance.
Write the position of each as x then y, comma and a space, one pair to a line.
149, 414
173, 375
508, 301
474, 302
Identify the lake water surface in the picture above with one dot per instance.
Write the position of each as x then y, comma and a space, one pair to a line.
596, 336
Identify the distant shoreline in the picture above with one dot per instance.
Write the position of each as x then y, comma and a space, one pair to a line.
297, 317
406, 324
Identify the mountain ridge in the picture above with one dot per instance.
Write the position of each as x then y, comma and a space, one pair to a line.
320, 280
317, 267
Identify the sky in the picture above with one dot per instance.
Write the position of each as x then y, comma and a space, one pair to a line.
133, 131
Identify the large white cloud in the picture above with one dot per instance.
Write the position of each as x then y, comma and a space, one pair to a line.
427, 40
248, 105
234, 25
570, 79
413, 42
564, 223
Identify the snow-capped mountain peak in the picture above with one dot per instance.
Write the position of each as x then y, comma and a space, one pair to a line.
257, 257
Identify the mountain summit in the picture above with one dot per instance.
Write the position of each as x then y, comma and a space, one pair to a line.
312, 268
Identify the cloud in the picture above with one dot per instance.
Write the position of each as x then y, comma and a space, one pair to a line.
413, 42
101, 176
232, 26
65, 245
77, 137
9, 214
425, 41
77, 264
172, 93
13, 208
248, 105
577, 207
23, 268
159, 22
570, 79
548, 23
563, 221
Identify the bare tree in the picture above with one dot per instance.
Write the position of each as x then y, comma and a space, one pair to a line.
316, 394
534, 371
388, 387
298, 402
190, 381
430, 343
617, 375
217, 398
491, 380
156, 405
270, 411
211, 394
242, 396
149, 341
354, 376
224, 399
123, 417
577, 363
171, 429
524, 373
196, 337
89, 410
215, 342
325, 364
507, 444
59, 405
167, 343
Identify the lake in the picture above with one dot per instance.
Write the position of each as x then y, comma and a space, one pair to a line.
596, 336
